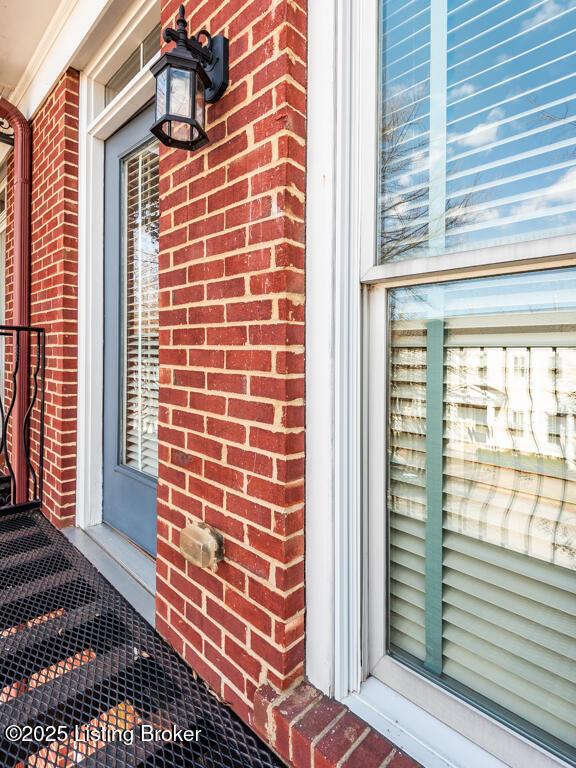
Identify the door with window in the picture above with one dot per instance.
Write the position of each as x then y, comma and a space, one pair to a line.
131, 332
473, 294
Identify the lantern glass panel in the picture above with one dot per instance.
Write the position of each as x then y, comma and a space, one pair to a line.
180, 92
181, 131
161, 93
200, 103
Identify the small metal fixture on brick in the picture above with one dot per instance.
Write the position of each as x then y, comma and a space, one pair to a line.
202, 545
6, 132
187, 77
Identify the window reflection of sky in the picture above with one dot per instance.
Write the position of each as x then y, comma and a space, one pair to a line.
553, 291
510, 119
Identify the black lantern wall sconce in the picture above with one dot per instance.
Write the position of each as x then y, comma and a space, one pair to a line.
188, 77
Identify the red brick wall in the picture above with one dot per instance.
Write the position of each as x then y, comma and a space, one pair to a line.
54, 258
310, 730
9, 254
6, 346
54, 271
231, 427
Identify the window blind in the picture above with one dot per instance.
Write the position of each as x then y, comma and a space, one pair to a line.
405, 128
506, 518
478, 102
510, 115
141, 309
407, 488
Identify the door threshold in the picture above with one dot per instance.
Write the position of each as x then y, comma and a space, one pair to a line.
130, 570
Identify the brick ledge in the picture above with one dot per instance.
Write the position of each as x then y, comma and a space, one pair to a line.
310, 730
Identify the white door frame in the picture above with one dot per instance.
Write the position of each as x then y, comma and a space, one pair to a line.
97, 123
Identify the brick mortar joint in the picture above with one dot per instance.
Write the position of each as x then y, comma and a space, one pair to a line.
365, 733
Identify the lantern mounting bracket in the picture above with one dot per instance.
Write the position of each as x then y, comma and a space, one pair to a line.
213, 57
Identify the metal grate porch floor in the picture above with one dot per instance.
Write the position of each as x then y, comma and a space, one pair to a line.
74, 655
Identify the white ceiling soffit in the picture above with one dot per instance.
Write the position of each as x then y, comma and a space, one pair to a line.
22, 27
70, 34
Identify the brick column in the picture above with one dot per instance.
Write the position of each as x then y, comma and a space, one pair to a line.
54, 271
231, 425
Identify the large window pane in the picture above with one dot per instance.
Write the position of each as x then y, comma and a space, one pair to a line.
482, 491
140, 401
478, 124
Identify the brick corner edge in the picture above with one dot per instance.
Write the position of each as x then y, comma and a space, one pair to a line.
310, 730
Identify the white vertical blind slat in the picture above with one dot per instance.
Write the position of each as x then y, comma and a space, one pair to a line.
141, 214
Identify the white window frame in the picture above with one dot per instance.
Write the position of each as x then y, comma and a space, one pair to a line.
97, 123
345, 407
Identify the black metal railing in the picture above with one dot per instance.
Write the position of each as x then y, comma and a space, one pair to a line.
22, 403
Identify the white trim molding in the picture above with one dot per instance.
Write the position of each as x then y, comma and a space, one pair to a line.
94, 35
70, 27
320, 237
90, 313
340, 200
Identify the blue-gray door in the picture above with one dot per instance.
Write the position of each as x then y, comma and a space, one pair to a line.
131, 331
